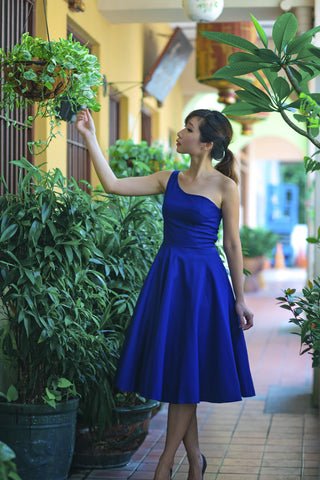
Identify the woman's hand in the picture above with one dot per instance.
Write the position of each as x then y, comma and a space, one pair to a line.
245, 315
84, 123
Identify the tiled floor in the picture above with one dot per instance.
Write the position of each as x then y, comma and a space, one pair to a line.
273, 436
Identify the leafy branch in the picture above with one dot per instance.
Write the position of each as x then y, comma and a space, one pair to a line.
295, 56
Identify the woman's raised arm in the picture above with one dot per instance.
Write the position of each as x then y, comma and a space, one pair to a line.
148, 185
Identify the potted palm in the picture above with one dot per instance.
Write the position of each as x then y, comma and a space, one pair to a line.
57, 339
46, 75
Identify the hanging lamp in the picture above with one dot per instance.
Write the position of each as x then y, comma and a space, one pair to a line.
212, 55
203, 10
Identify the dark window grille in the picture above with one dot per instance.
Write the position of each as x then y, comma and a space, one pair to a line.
78, 159
146, 127
17, 17
114, 118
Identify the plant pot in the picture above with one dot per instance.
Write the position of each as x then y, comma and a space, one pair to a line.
118, 443
255, 266
36, 91
41, 437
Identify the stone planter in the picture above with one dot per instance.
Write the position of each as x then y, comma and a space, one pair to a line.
41, 437
118, 443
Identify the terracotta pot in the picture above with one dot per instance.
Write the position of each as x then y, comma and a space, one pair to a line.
255, 266
31, 89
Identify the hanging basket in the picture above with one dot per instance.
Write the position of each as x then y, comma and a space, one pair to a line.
32, 89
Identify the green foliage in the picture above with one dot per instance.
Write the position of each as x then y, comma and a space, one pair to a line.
294, 56
315, 240
257, 241
129, 252
11, 395
131, 159
71, 268
306, 316
76, 66
8, 469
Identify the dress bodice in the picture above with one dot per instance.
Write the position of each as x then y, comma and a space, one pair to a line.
189, 220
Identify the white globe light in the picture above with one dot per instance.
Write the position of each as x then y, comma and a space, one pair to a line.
203, 10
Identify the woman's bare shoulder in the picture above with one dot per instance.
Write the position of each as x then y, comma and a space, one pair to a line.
164, 176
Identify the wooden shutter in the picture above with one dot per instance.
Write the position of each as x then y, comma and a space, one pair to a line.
17, 17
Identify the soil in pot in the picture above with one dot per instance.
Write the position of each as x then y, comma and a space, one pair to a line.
31, 89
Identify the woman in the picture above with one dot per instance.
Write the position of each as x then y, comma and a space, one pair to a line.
185, 343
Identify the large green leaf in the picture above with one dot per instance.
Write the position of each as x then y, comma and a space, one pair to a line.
237, 69
232, 40
241, 108
284, 29
250, 87
243, 57
281, 88
262, 34
314, 51
262, 81
8, 232
257, 100
45, 212
298, 43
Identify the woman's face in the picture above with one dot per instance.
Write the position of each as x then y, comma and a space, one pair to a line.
188, 140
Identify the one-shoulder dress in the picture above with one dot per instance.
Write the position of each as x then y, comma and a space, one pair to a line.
184, 344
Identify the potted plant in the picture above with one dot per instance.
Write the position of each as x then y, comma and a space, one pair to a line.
129, 251
57, 339
257, 245
46, 75
305, 311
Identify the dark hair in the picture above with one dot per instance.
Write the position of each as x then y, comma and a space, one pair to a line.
215, 127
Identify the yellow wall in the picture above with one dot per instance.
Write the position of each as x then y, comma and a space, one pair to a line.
125, 52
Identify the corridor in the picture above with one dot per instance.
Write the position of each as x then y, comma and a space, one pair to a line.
273, 436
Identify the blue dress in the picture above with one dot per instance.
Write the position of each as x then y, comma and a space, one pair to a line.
184, 344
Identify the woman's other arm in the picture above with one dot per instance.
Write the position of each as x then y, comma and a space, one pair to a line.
233, 250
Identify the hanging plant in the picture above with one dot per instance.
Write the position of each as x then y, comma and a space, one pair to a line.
44, 74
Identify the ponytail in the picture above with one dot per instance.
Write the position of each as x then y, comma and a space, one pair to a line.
215, 127
227, 166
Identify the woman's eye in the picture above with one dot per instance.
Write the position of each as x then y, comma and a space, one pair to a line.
189, 129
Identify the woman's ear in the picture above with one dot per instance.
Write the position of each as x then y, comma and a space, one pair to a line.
208, 146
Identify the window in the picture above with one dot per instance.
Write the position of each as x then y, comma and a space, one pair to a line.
114, 117
17, 17
78, 159
146, 127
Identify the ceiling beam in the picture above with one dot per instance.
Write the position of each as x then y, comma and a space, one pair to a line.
167, 11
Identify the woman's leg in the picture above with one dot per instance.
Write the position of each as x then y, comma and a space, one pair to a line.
179, 417
191, 443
